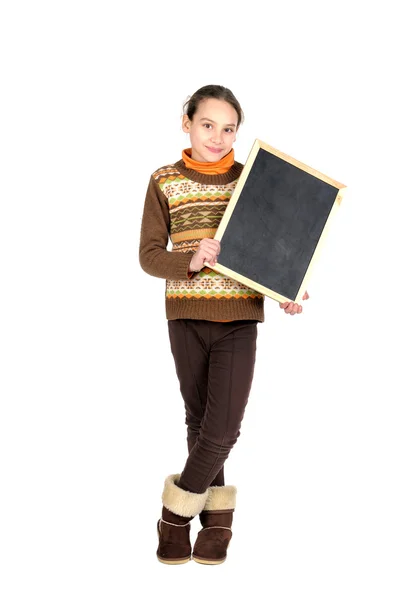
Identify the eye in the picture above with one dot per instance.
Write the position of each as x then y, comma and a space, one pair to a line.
207, 125
229, 130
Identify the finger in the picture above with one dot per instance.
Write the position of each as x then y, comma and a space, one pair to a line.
213, 260
207, 254
210, 244
306, 296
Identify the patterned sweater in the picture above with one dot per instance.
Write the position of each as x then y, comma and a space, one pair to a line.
184, 206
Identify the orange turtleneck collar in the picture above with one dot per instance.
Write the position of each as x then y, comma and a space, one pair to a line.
209, 168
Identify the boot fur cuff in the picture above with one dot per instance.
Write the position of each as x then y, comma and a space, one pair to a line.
221, 497
181, 502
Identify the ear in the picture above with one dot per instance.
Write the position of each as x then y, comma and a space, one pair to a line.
185, 123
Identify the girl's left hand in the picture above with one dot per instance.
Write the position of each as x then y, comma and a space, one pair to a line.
292, 308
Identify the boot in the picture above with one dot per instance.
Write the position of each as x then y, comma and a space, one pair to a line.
179, 507
216, 518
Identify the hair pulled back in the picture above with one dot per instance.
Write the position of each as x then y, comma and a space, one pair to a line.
218, 92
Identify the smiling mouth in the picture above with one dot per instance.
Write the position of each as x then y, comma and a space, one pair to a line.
214, 150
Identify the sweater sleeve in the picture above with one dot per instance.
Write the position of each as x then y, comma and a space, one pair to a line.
154, 257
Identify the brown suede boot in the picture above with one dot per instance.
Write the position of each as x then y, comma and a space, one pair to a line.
179, 507
216, 518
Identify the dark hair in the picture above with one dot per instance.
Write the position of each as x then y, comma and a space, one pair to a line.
212, 91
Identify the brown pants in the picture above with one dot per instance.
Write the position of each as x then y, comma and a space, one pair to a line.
215, 365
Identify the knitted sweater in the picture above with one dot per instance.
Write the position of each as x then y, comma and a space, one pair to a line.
187, 206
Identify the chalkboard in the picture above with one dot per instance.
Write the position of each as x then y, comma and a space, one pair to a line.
275, 221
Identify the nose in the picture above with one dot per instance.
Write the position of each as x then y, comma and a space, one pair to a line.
216, 137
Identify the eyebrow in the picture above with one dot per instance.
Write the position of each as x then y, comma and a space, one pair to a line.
211, 121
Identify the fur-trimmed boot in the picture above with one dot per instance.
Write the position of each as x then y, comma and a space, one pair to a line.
179, 508
216, 518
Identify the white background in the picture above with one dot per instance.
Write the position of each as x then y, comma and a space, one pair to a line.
91, 416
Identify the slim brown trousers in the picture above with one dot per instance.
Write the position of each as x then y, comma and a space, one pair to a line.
215, 364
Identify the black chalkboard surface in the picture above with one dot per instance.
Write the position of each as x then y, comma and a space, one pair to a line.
275, 221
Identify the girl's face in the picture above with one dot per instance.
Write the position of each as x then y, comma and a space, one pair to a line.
212, 130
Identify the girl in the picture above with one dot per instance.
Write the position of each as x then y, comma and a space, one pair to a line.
212, 322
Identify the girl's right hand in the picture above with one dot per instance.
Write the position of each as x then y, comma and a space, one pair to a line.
207, 251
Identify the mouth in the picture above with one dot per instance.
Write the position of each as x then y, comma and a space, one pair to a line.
214, 150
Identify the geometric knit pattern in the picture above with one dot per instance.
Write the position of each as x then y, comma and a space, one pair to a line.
196, 210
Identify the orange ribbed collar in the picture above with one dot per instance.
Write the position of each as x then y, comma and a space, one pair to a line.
208, 168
